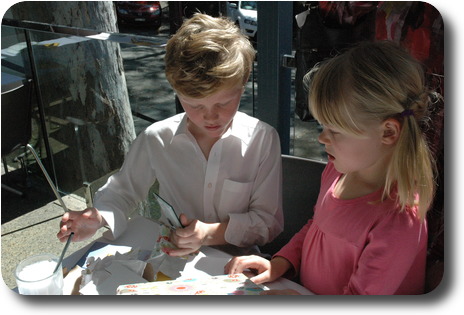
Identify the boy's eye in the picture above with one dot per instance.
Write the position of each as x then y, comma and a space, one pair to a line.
224, 105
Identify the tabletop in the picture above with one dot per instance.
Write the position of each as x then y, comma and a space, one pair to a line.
142, 233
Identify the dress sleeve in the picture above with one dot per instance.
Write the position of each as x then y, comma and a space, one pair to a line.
394, 258
264, 219
293, 249
126, 188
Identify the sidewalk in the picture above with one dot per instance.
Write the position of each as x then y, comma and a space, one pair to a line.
33, 231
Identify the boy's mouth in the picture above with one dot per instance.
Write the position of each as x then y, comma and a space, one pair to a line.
212, 128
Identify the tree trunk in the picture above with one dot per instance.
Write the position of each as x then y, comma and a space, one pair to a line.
83, 89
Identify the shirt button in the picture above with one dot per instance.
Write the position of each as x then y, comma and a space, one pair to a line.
210, 185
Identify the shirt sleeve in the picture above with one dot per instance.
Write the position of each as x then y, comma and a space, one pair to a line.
395, 253
264, 219
125, 189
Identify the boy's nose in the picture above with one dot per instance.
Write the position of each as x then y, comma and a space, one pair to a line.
210, 114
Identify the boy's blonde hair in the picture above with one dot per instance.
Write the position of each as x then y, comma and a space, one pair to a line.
374, 81
207, 54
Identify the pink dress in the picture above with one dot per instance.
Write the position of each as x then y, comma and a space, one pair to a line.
359, 246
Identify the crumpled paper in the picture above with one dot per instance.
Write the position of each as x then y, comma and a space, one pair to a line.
102, 275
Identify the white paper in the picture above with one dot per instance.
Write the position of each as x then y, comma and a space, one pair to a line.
119, 275
205, 266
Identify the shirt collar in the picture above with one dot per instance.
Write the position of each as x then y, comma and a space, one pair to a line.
242, 129
182, 126
179, 129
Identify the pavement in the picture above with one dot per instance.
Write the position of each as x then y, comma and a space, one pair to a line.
29, 224
33, 231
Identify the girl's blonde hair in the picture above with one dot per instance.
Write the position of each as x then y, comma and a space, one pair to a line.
374, 81
207, 54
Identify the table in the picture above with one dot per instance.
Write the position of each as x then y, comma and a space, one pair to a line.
142, 233
11, 81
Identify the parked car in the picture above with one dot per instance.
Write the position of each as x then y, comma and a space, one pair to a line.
245, 15
139, 12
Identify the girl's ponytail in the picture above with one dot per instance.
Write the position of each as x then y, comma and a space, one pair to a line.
412, 166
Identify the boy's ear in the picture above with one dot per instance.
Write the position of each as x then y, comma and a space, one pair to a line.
391, 131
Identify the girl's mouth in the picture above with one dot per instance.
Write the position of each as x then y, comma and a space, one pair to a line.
330, 157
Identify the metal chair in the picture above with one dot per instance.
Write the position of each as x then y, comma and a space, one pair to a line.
17, 130
301, 179
16, 124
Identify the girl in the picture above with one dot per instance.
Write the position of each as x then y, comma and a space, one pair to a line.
369, 233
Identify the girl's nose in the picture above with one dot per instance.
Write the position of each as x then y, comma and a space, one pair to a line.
323, 138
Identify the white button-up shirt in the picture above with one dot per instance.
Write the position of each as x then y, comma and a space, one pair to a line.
240, 182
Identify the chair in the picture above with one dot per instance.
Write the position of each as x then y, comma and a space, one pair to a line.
301, 179
16, 122
17, 129
90, 188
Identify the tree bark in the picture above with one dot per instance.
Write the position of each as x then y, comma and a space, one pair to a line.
83, 89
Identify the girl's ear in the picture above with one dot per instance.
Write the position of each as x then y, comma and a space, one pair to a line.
391, 131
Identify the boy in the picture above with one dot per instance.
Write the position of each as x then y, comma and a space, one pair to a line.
221, 168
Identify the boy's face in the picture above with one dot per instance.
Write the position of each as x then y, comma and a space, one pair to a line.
211, 116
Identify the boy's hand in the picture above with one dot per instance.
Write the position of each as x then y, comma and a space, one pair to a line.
196, 234
188, 239
84, 224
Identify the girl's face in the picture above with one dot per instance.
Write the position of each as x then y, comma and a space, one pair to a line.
354, 154
211, 116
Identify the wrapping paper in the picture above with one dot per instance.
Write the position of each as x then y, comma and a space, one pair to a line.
236, 284
162, 262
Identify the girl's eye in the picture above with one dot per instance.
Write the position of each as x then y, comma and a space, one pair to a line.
330, 131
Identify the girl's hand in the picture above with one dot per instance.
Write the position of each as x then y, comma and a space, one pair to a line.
259, 264
267, 271
84, 224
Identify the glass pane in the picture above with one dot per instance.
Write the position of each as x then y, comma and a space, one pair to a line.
70, 132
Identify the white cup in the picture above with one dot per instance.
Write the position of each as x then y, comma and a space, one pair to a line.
35, 276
